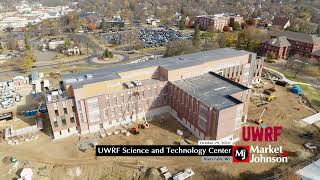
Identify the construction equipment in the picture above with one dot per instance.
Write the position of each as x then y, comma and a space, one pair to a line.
144, 125
84, 145
270, 98
259, 120
273, 89
268, 92
262, 103
306, 135
13, 159
134, 130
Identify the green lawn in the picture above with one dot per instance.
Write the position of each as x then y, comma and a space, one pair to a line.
312, 93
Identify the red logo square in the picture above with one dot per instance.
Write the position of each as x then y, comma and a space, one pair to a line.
240, 153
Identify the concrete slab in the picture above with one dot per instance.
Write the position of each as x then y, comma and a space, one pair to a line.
312, 119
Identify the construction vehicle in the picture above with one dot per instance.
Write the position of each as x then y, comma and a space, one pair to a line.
259, 120
134, 130
270, 98
13, 159
86, 144
262, 103
144, 125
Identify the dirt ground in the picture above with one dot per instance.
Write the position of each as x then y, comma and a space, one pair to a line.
60, 159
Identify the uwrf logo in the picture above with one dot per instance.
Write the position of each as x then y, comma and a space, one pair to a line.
240, 153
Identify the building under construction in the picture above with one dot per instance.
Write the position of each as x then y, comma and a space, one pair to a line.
207, 92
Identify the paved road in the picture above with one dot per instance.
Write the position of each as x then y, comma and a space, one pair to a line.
84, 39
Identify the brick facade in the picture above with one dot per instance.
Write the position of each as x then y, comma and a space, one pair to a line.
218, 23
107, 103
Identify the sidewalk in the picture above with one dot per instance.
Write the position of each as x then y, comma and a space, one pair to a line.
284, 78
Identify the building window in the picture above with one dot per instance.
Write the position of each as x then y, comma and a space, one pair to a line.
113, 111
106, 113
79, 102
72, 119
115, 100
202, 117
128, 108
56, 112
120, 109
55, 123
107, 102
65, 110
149, 92
122, 97
63, 120
129, 98
74, 109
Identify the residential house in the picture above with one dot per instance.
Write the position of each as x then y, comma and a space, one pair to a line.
280, 23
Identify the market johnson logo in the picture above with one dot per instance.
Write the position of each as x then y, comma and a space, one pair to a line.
263, 133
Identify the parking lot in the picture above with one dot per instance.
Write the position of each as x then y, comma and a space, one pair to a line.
150, 37
159, 37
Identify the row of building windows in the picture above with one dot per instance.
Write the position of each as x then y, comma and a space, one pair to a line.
130, 97
65, 111
63, 121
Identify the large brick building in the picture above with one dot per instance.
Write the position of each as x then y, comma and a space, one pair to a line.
211, 105
218, 22
301, 43
277, 47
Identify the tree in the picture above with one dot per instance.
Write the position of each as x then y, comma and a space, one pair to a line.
182, 23
67, 43
27, 62
236, 26
208, 37
221, 40
175, 48
107, 54
92, 26
196, 37
26, 41
229, 38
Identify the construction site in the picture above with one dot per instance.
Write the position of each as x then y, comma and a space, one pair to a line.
54, 135
66, 159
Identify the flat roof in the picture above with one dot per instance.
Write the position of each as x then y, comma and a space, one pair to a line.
170, 63
212, 89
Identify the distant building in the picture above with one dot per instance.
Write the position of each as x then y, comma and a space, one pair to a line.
276, 47
301, 43
54, 44
280, 23
210, 105
152, 21
218, 21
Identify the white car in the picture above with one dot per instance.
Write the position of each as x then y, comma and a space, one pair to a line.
137, 83
183, 175
129, 85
